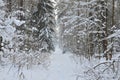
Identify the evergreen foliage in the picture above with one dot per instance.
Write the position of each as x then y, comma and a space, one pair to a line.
44, 23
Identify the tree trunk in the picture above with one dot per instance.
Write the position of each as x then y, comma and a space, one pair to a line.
105, 34
113, 12
21, 9
9, 6
113, 23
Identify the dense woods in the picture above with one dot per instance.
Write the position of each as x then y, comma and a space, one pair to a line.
31, 30
88, 27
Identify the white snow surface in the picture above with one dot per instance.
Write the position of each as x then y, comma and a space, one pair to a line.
61, 67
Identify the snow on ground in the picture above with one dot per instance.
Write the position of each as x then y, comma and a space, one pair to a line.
61, 67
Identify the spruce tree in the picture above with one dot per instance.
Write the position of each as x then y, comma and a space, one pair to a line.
43, 22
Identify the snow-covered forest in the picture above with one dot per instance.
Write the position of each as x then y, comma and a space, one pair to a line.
60, 39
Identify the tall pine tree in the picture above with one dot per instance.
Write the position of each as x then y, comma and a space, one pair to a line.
44, 23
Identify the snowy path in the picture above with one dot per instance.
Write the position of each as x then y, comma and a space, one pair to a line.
61, 68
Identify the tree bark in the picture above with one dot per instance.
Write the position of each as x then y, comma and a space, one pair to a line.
9, 5
113, 23
21, 9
